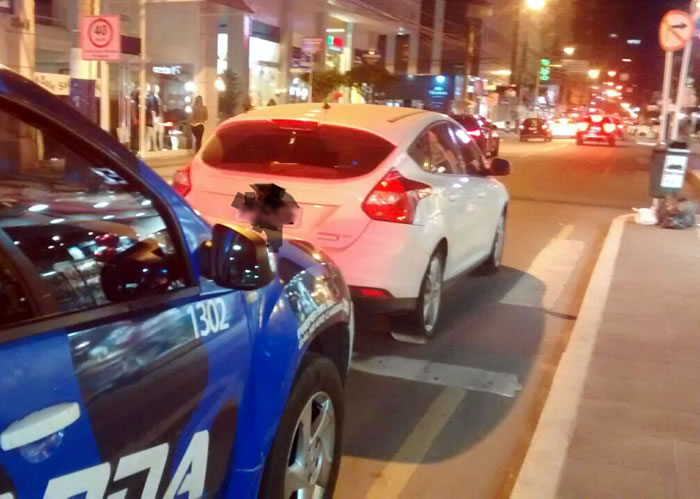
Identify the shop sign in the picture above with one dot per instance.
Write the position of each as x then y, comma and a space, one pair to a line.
311, 45
167, 70
57, 84
100, 38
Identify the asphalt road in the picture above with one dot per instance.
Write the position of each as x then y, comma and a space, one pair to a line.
453, 417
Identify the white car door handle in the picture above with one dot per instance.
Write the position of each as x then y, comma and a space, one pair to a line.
38, 425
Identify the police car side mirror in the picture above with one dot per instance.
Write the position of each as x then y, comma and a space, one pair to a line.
499, 167
237, 258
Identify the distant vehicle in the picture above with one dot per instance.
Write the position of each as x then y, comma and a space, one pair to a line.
483, 132
535, 128
564, 128
190, 360
597, 128
399, 198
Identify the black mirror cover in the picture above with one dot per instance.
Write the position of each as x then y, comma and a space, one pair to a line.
500, 167
237, 258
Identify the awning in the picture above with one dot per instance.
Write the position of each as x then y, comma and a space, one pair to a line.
234, 4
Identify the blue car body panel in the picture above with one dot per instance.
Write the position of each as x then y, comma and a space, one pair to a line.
161, 404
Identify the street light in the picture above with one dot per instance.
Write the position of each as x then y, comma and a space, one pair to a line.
569, 50
535, 4
593, 74
612, 73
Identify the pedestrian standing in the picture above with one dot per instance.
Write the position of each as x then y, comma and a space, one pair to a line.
199, 118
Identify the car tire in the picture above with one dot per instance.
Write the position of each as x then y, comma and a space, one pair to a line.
522, 139
422, 320
579, 141
611, 141
493, 262
317, 394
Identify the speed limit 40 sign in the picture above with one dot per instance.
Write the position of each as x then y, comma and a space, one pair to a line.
100, 38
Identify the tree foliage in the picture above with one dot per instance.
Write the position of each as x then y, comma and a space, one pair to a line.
228, 98
324, 82
368, 78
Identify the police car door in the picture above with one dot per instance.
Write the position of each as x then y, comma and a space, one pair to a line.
119, 377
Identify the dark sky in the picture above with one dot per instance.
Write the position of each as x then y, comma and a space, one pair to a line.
595, 20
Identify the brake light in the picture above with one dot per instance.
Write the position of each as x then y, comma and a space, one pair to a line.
373, 292
474, 133
596, 118
609, 127
395, 198
181, 181
305, 125
583, 127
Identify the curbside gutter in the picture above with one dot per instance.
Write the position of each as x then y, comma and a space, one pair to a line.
540, 473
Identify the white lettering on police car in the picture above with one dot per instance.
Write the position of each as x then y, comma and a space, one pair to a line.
209, 317
318, 317
153, 460
91, 481
190, 473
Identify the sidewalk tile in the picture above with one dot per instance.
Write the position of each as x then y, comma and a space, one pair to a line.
687, 465
628, 347
584, 479
606, 416
632, 451
629, 369
649, 392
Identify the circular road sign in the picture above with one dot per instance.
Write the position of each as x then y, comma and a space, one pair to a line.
676, 29
100, 32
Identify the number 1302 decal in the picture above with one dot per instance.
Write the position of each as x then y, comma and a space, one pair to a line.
208, 317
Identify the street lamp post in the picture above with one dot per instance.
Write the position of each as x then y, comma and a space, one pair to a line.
519, 66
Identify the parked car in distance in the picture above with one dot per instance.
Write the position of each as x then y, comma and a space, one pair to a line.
399, 198
535, 128
597, 128
144, 352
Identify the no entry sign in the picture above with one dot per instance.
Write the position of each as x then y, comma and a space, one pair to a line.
100, 38
676, 29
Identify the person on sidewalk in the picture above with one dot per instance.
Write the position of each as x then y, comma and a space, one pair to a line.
199, 118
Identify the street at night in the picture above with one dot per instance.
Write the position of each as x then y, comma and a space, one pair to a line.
351, 249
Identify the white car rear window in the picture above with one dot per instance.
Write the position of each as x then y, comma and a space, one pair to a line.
295, 149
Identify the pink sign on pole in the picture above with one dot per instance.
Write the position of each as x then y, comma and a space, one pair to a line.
100, 38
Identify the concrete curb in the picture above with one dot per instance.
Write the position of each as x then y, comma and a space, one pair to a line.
544, 462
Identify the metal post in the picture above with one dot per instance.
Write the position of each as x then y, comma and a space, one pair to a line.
668, 70
311, 81
682, 80
101, 8
142, 79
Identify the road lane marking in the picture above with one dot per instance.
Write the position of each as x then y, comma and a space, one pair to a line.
397, 473
438, 373
551, 268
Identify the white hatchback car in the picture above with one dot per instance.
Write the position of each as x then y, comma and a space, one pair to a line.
399, 198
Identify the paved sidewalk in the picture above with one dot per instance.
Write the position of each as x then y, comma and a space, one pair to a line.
623, 416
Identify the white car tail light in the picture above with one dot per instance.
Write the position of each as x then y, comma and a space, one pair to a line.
181, 181
395, 198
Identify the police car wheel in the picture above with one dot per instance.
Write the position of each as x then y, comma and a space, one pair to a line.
305, 454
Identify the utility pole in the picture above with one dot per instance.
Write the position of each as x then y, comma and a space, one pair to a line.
683, 78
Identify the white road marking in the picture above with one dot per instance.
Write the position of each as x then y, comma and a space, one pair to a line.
437, 373
551, 268
397, 473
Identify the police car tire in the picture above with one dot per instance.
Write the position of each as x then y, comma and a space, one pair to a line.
316, 373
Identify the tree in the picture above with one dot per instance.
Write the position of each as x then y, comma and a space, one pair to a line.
324, 83
229, 97
368, 78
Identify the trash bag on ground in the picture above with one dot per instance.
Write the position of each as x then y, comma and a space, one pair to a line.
677, 213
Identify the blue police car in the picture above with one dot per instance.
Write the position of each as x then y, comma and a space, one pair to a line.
144, 353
